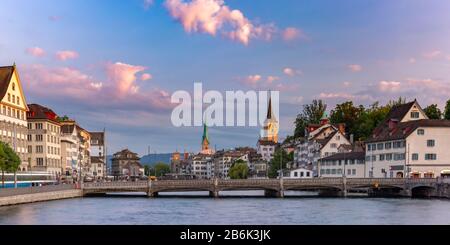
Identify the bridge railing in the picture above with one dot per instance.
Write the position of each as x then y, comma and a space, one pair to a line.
115, 184
314, 181
34, 190
182, 182
249, 182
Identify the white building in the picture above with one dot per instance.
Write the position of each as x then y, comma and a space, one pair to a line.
346, 164
322, 140
203, 166
408, 144
13, 119
301, 173
69, 149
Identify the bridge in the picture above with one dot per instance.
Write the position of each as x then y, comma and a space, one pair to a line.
277, 187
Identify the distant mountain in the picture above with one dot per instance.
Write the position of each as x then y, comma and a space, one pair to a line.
149, 160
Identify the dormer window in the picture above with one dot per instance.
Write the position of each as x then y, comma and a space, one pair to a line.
415, 114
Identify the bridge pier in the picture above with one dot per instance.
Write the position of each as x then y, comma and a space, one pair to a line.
214, 194
332, 193
273, 193
153, 194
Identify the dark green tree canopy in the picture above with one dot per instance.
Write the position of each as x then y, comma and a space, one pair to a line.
239, 170
447, 111
311, 113
280, 159
433, 112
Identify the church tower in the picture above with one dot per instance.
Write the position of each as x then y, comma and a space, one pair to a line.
205, 141
270, 129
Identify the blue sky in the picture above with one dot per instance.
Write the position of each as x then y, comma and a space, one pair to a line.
87, 58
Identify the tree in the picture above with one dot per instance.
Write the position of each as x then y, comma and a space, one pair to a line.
311, 113
9, 162
160, 169
147, 170
447, 111
13, 162
3, 162
280, 157
239, 170
433, 112
349, 114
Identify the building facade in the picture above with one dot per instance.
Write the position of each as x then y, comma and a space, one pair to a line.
98, 154
69, 149
13, 109
322, 140
44, 145
126, 164
408, 144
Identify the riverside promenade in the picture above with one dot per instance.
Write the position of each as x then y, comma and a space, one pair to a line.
38, 194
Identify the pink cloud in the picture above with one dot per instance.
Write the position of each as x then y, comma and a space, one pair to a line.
66, 55
432, 54
412, 60
213, 16
292, 33
271, 79
146, 77
389, 86
347, 84
355, 68
70, 84
36, 52
291, 72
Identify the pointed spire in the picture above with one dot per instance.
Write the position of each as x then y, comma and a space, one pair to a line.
269, 110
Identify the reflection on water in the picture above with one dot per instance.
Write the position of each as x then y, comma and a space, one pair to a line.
230, 210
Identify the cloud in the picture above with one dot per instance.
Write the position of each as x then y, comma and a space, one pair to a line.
36, 52
389, 86
66, 55
412, 60
267, 83
146, 77
291, 72
213, 16
148, 3
432, 54
347, 84
118, 91
292, 33
271, 79
252, 80
355, 68
55, 18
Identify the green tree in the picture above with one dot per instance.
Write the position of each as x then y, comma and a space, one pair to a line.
9, 162
433, 112
160, 169
280, 158
147, 170
3, 162
239, 170
350, 115
311, 113
447, 111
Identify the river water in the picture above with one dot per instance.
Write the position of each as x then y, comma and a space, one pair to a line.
250, 210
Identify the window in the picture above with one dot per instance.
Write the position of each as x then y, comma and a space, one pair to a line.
302, 174
399, 156
308, 174
415, 156
333, 145
430, 156
420, 132
389, 157
18, 100
399, 144
369, 147
382, 157
30, 149
39, 137
9, 97
339, 171
353, 171
14, 87
38, 125
415, 114
431, 143
333, 171
14, 99
374, 147
388, 145
40, 161
29, 137
349, 172
295, 174
374, 158
380, 146
39, 149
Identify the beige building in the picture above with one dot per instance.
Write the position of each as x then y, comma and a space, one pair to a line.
126, 164
268, 141
13, 120
83, 148
44, 147
98, 154
69, 149
408, 144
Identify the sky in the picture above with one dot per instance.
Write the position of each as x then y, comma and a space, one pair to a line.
115, 64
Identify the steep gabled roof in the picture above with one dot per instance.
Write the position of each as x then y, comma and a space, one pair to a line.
403, 129
6, 73
37, 111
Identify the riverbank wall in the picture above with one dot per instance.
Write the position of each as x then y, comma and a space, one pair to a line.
40, 197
